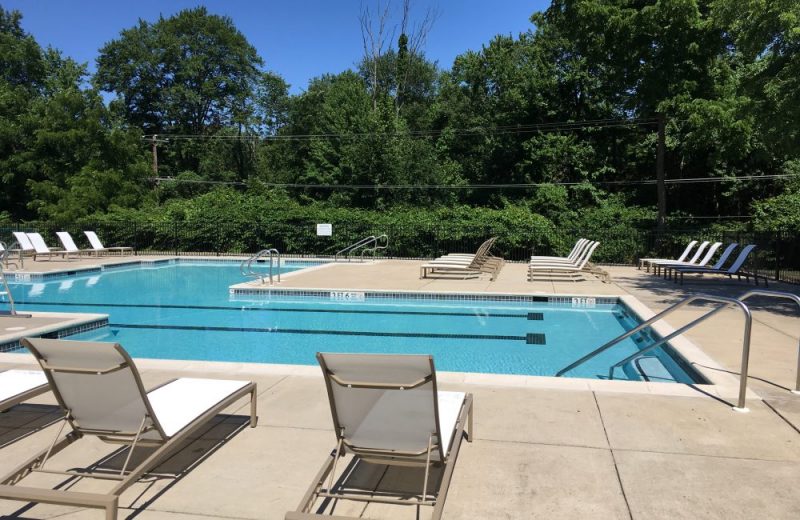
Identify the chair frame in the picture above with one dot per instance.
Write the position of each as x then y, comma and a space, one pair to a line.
165, 444
318, 488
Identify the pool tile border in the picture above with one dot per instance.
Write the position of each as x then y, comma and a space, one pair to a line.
57, 331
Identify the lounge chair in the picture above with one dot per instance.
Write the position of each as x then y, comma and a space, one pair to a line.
98, 247
656, 264
41, 248
485, 246
735, 268
465, 266
24, 246
69, 245
572, 271
666, 267
387, 410
101, 395
571, 257
670, 269
645, 262
17, 386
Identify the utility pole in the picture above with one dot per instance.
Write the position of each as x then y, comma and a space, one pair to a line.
155, 155
154, 142
661, 188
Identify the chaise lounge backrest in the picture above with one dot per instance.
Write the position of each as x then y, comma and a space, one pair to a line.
395, 410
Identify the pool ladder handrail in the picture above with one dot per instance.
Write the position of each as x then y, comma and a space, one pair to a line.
724, 300
779, 295
5, 290
246, 267
376, 247
361, 244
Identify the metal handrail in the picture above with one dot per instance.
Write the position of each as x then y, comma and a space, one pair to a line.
377, 245
246, 267
746, 355
372, 239
705, 297
4, 288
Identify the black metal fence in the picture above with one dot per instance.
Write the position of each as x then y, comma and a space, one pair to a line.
777, 255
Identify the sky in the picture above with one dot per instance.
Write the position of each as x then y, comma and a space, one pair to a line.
298, 39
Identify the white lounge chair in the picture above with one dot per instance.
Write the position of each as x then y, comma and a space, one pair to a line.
656, 264
101, 395
670, 269
645, 262
69, 245
98, 247
572, 271
41, 248
665, 267
571, 256
735, 268
24, 246
17, 386
387, 410
574, 257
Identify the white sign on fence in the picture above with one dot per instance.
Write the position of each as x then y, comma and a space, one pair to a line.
324, 230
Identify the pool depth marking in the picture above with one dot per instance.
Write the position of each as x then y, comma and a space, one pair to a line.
262, 309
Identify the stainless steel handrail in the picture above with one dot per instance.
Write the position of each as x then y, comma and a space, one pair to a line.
5, 289
363, 243
376, 247
246, 267
704, 297
774, 294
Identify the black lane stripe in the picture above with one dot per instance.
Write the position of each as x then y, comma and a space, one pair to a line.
316, 331
261, 309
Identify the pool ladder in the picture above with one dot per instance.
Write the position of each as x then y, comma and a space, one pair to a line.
4, 289
724, 302
370, 244
246, 267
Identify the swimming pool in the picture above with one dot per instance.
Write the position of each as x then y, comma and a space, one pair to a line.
184, 310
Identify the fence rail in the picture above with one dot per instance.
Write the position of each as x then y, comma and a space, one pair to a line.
777, 255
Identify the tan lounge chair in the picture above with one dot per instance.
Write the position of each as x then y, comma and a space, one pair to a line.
17, 386
465, 265
101, 395
69, 245
387, 411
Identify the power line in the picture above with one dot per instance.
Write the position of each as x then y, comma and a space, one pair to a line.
643, 182
564, 126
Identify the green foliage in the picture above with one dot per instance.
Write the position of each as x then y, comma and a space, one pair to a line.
725, 73
186, 73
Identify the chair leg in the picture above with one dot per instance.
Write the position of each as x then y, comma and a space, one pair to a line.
111, 509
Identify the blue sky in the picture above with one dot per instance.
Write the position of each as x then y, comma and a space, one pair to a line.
298, 39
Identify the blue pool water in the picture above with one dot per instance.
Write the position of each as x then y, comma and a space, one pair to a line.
184, 310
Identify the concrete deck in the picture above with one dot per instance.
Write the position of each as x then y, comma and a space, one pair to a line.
585, 452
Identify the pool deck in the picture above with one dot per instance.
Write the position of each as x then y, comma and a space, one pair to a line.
579, 452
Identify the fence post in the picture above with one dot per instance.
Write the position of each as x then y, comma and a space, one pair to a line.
175, 236
777, 256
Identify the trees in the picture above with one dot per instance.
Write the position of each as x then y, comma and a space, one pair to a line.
190, 73
61, 154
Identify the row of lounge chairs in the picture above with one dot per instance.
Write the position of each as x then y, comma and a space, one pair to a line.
465, 265
675, 269
35, 245
573, 267
386, 410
